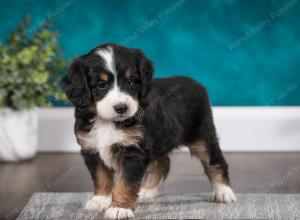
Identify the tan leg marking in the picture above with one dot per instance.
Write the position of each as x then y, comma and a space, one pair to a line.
124, 194
103, 182
124, 197
156, 173
222, 191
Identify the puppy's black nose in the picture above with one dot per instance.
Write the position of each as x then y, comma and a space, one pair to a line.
121, 108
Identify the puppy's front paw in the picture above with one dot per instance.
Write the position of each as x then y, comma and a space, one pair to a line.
98, 203
223, 194
118, 213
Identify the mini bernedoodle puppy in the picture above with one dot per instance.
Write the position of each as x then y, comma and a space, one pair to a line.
127, 123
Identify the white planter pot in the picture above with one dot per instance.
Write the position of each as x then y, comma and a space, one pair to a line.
18, 134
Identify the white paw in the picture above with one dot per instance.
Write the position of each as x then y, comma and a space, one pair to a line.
118, 213
146, 194
223, 194
98, 203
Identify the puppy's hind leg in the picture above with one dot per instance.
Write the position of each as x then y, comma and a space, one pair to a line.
156, 173
216, 168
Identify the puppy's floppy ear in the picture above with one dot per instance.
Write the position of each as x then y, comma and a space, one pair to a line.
146, 70
75, 84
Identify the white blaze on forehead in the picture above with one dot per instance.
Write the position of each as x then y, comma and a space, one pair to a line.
107, 55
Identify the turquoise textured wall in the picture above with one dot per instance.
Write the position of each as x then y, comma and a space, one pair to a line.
246, 52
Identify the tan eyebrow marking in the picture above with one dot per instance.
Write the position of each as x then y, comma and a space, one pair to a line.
103, 77
128, 74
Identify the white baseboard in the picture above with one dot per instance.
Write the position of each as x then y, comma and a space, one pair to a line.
240, 129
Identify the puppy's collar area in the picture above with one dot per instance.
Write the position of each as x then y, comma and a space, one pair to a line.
127, 123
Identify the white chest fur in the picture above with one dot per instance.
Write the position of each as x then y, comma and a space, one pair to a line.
105, 134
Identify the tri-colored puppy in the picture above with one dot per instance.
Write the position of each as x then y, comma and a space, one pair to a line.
127, 123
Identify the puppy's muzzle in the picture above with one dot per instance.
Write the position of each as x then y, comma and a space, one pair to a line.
121, 108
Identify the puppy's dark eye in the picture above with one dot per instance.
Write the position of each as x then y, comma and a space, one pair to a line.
101, 85
130, 81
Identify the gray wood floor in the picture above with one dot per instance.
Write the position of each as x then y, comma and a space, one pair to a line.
249, 172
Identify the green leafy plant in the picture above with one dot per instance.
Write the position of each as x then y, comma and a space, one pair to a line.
30, 67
